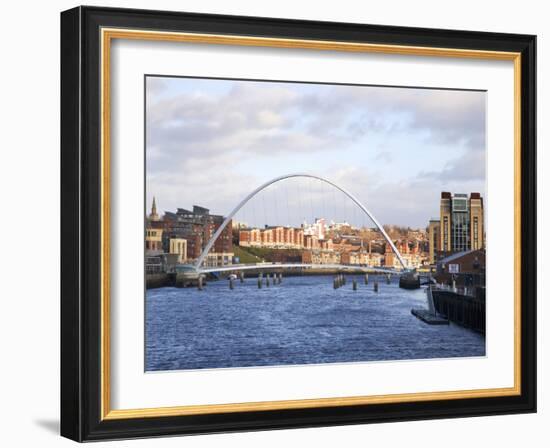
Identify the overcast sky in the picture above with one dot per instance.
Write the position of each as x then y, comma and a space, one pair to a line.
211, 142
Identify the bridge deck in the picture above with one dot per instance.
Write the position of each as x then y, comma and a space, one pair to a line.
277, 266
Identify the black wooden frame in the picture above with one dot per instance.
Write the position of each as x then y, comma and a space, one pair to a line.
80, 223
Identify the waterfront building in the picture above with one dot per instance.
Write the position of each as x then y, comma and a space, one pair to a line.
476, 220
160, 263
196, 226
326, 244
154, 264
298, 238
357, 257
239, 225
434, 239
153, 241
317, 229
272, 237
311, 242
256, 237
178, 246
463, 269
214, 259
389, 257
461, 222
412, 261
375, 260
245, 238
319, 256
465, 262
288, 237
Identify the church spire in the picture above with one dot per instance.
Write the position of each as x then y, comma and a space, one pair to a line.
154, 216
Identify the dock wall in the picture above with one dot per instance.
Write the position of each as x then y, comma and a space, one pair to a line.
467, 311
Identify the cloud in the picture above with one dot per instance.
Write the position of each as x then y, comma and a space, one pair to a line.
469, 166
198, 136
384, 156
156, 85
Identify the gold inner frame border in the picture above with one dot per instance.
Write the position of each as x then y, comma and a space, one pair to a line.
107, 35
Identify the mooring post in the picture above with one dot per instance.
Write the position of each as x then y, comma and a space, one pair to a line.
231, 286
366, 279
199, 283
241, 276
376, 286
259, 281
354, 285
266, 279
388, 278
281, 277
335, 282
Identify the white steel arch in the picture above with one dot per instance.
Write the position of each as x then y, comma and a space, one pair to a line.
229, 217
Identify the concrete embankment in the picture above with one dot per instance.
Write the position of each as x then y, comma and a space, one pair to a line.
159, 280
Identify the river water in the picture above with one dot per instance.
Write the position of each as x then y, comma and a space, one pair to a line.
301, 321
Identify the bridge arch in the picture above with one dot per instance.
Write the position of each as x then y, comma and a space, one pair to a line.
229, 217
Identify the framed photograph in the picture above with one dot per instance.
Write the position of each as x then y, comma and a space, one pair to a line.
273, 223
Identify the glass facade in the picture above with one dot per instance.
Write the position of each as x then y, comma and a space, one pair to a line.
461, 218
445, 233
476, 232
460, 223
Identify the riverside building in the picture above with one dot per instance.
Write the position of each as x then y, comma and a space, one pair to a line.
460, 226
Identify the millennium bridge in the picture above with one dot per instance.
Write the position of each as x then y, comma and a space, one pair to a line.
198, 269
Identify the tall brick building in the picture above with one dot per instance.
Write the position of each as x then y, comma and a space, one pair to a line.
197, 226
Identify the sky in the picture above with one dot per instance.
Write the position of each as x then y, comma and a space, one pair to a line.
211, 142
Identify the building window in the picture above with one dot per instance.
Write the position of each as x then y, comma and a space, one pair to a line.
476, 230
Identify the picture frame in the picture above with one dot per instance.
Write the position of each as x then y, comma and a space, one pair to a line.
86, 212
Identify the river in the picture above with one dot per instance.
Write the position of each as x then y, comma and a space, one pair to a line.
301, 321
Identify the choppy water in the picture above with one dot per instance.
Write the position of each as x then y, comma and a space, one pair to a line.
302, 321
